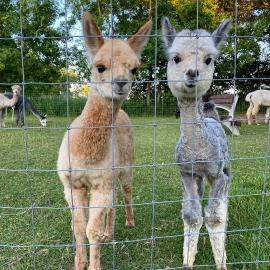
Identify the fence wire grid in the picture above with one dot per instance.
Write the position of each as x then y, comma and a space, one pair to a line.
35, 221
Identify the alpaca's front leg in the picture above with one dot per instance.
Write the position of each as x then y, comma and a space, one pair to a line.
110, 220
100, 201
192, 217
216, 215
76, 199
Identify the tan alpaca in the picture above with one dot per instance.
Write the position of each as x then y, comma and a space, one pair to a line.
90, 148
6, 102
256, 99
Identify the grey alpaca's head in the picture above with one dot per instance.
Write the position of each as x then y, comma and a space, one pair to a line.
191, 56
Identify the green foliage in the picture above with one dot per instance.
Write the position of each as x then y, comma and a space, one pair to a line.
43, 57
252, 55
58, 105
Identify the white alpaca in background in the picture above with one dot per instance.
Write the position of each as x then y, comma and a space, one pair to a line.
256, 99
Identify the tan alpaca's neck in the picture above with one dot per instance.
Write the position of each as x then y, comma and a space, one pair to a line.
90, 139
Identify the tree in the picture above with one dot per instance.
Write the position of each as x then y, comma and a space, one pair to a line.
252, 19
42, 56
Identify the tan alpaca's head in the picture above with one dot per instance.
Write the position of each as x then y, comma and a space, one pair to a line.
191, 56
114, 62
16, 90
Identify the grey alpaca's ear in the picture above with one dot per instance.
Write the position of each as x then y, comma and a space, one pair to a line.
220, 34
92, 35
168, 33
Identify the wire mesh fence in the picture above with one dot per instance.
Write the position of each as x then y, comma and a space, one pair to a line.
37, 231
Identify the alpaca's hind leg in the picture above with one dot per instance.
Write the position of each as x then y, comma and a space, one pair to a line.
267, 115
76, 199
255, 111
19, 117
192, 216
2, 123
101, 199
216, 214
126, 182
249, 113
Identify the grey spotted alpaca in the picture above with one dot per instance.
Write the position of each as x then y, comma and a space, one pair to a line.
202, 150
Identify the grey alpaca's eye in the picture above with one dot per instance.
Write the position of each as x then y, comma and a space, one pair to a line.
177, 59
101, 68
208, 61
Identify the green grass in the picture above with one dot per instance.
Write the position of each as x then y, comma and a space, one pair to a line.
52, 229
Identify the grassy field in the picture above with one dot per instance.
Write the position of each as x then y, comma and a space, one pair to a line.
41, 238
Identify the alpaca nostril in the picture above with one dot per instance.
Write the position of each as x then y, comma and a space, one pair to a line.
192, 73
121, 83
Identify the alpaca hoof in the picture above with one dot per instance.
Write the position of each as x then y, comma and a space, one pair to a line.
192, 218
186, 267
130, 224
79, 267
94, 268
79, 263
106, 237
213, 220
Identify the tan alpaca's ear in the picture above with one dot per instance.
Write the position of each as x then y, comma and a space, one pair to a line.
92, 35
139, 40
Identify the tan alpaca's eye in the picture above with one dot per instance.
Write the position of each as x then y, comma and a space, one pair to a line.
177, 59
101, 68
208, 61
134, 70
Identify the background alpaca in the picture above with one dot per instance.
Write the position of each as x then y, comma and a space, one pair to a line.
256, 99
8, 102
25, 104
87, 154
202, 150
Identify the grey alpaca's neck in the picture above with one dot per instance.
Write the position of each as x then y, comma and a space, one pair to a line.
192, 126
